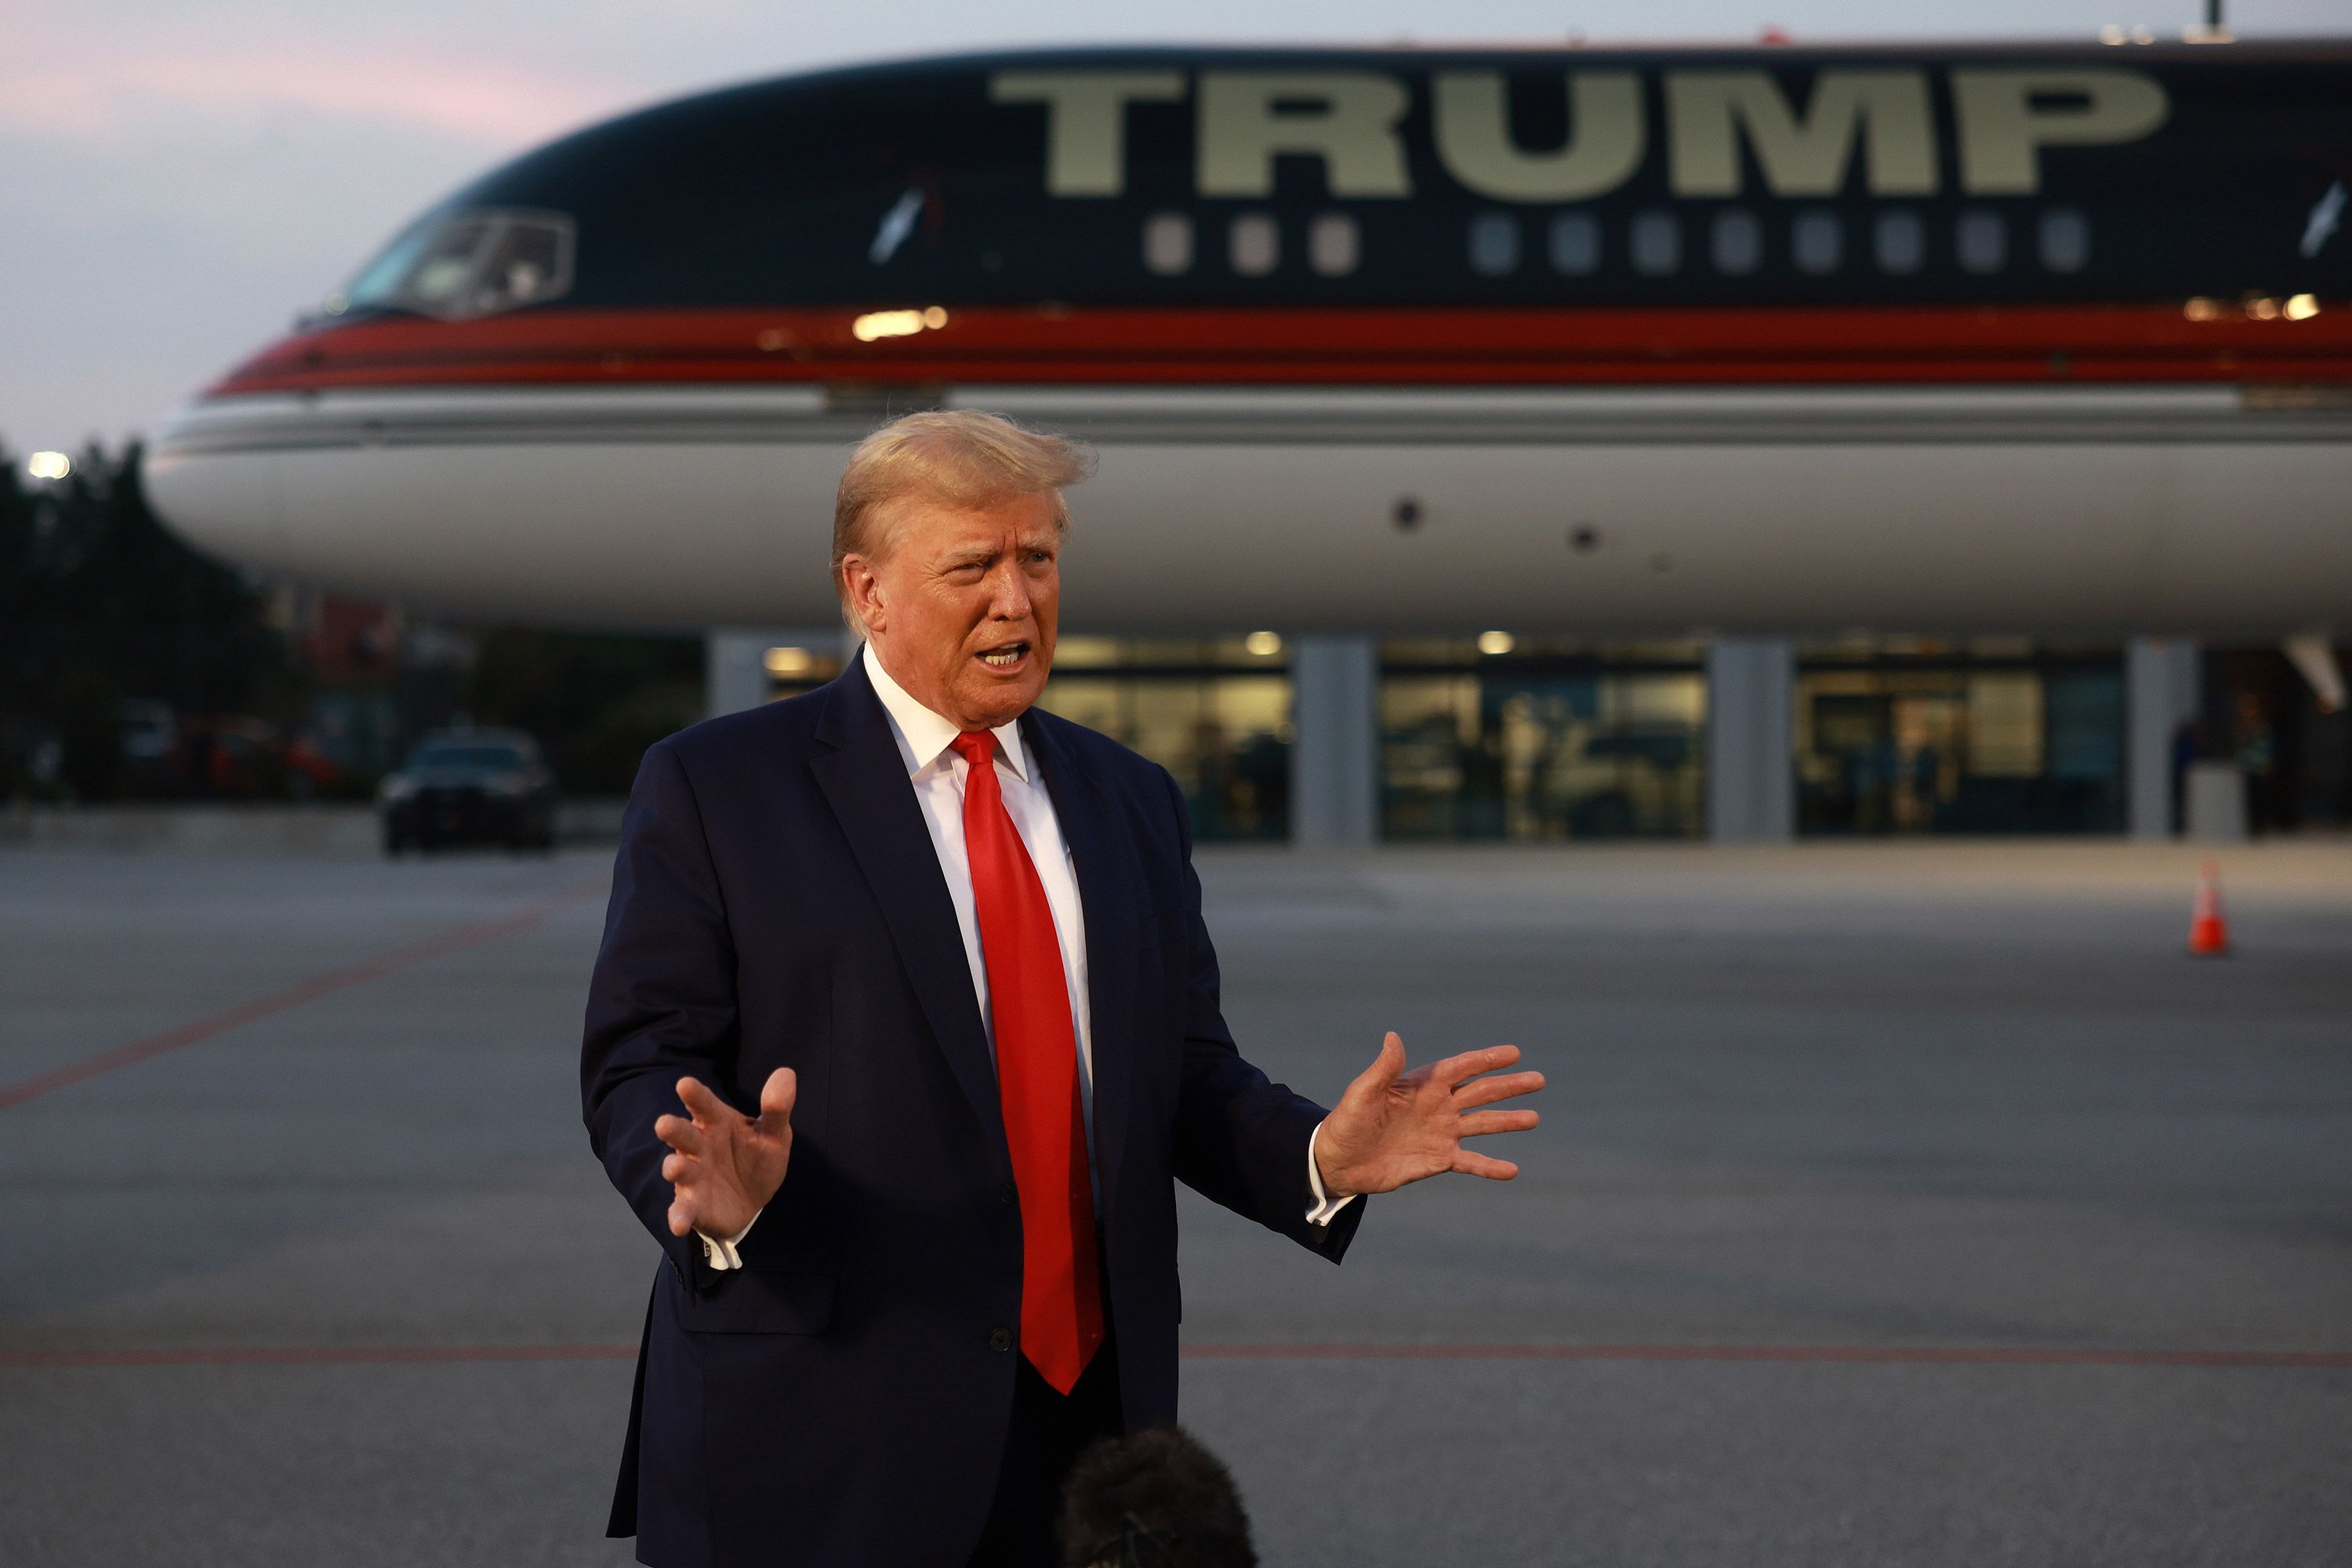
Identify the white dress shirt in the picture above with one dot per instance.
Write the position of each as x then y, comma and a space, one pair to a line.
937, 770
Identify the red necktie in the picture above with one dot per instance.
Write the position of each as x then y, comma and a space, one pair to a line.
1036, 1080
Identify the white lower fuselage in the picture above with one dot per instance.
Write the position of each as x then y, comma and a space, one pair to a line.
2093, 511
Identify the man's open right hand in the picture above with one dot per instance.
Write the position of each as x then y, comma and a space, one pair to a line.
723, 1166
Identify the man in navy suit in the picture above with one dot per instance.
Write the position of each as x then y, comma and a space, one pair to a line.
904, 1027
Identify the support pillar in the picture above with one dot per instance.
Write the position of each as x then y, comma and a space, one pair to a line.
1751, 771
1335, 740
734, 667
2160, 691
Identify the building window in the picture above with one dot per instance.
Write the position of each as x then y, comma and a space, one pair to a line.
2066, 240
1935, 738
1214, 712
1575, 244
1254, 244
1493, 245
1899, 241
1168, 244
1545, 741
1334, 247
1817, 243
1982, 241
1657, 244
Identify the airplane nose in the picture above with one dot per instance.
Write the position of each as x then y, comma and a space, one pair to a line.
573, 519
226, 502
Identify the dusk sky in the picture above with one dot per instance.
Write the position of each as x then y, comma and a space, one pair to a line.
180, 178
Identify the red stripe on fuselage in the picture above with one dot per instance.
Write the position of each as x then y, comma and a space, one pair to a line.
1972, 344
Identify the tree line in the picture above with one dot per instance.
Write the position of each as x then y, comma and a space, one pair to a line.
104, 611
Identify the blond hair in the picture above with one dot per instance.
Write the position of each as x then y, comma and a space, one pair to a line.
959, 455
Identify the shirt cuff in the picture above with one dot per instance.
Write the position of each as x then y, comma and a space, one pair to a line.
1325, 1205
719, 1253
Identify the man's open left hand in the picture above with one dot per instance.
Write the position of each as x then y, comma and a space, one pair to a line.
1395, 1125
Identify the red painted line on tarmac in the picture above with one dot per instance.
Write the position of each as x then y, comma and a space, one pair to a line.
315, 1355
295, 995
1915, 1355
1899, 1355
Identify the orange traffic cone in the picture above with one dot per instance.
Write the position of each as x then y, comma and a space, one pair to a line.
2209, 933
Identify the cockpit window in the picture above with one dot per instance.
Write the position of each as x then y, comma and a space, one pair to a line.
474, 261
445, 268
529, 261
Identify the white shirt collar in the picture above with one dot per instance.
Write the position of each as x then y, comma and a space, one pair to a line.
922, 735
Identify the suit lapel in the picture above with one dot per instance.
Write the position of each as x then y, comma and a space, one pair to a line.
865, 781
1107, 891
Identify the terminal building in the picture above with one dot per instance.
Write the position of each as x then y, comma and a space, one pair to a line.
1354, 741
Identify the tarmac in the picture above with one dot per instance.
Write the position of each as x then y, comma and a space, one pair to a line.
1894, 1204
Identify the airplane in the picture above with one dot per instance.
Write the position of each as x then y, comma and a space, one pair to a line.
1968, 338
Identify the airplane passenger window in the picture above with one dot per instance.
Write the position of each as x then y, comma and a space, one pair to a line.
1493, 245
1738, 242
1575, 244
1982, 240
2066, 240
1817, 242
1657, 244
1900, 241
1333, 245
1254, 244
1168, 244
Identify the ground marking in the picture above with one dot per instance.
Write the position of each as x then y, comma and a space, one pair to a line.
1877, 1355
310, 990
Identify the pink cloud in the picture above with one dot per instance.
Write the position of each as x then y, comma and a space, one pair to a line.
493, 102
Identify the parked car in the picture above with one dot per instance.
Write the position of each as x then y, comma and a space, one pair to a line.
469, 787
231, 756
310, 769
149, 738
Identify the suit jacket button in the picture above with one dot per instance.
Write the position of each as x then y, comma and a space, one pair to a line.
1005, 1193
1000, 1339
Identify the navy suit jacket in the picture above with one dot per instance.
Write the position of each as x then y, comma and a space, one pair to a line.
776, 902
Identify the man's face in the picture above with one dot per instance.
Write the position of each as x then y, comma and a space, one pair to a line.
962, 605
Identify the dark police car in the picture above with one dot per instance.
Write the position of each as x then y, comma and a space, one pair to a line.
470, 786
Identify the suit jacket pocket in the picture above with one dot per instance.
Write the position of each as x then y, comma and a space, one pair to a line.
752, 1302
